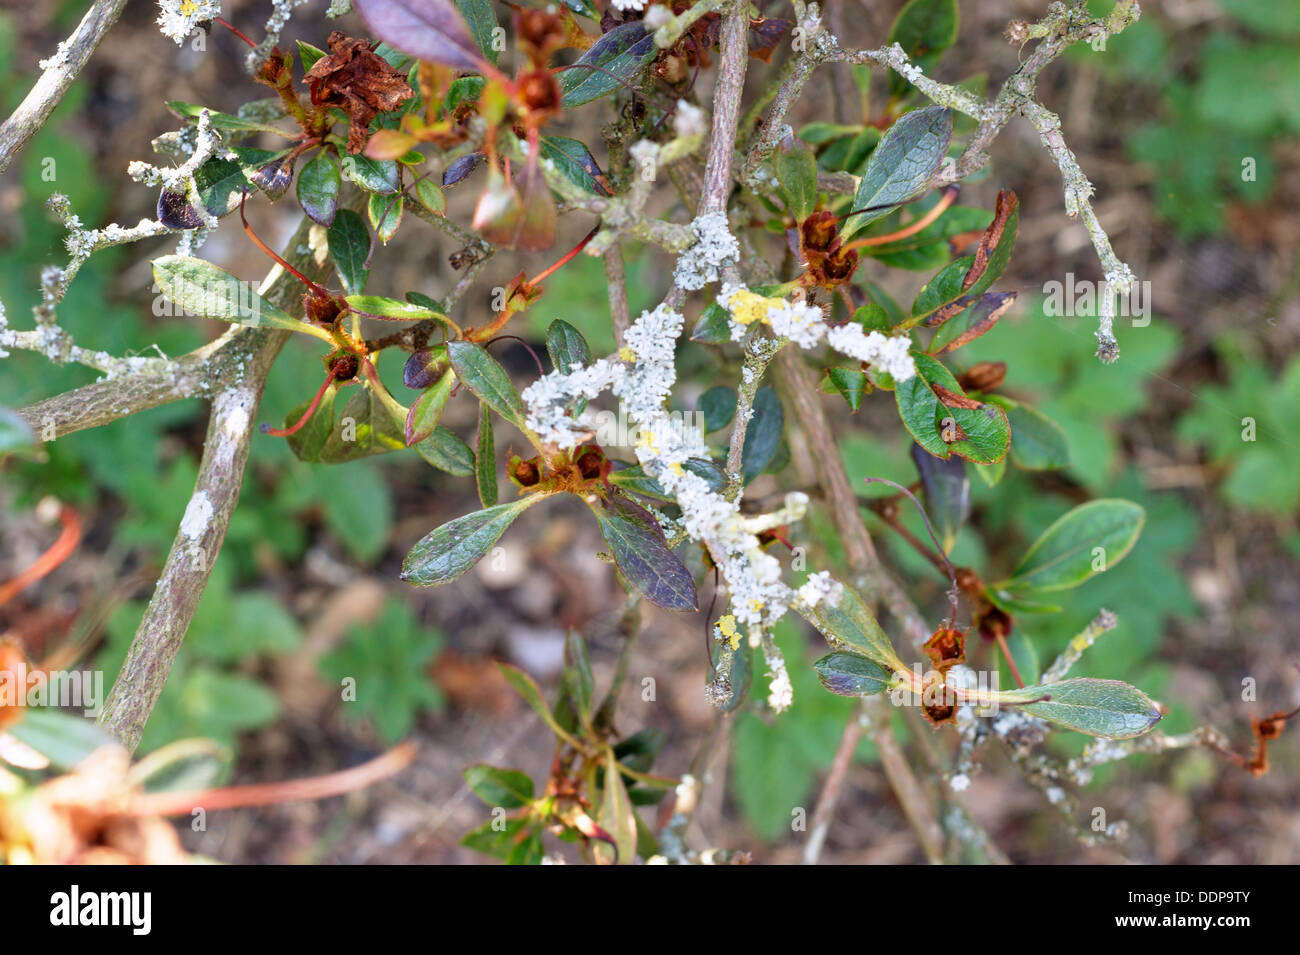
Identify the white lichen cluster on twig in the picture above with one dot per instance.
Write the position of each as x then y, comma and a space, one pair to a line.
52, 340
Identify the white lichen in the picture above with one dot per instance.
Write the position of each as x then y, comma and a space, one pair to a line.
805, 325
178, 19
198, 515
714, 247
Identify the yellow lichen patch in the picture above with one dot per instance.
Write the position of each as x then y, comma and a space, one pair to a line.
626, 354
727, 627
646, 439
747, 307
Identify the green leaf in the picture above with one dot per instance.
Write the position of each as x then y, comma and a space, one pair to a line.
902, 164
718, 406
924, 28
527, 687
713, 326
483, 375
308, 442
450, 550
221, 184
427, 410
482, 24
1084, 542
987, 433
518, 842
641, 551
378, 306
850, 626
623, 52
851, 674
389, 662
1106, 708
579, 684
763, 436
308, 55
366, 426
349, 244
385, 214
201, 288
16, 435
431, 196
566, 346
796, 171
62, 738
575, 162
383, 176
947, 494
1037, 442
851, 384
446, 452
485, 459
506, 788
617, 817
225, 122
319, 183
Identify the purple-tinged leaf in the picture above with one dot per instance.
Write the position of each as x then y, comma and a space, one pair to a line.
461, 168
641, 551
430, 30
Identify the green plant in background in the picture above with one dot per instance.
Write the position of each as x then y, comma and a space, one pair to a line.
1245, 428
383, 669
214, 691
1221, 110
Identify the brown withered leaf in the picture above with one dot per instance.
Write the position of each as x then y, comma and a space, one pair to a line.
358, 81
954, 400
765, 35
984, 315
1006, 204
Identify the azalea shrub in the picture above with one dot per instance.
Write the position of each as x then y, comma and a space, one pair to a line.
773, 249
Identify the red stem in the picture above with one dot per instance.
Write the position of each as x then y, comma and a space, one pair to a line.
236, 31
311, 409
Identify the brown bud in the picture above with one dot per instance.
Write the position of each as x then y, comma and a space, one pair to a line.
539, 29
524, 473
994, 623
345, 367
539, 92
946, 648
817, 232
321, 309
591, 463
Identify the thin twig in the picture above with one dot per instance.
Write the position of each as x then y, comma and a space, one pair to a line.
60, 70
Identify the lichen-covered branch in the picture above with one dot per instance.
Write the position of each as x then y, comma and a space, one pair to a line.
59, 71
207, 516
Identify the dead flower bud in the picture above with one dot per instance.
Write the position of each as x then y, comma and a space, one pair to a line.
359, 82
946, 648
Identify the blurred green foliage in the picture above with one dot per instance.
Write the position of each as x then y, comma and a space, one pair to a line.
1226, 94
389, 664
1244, 425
